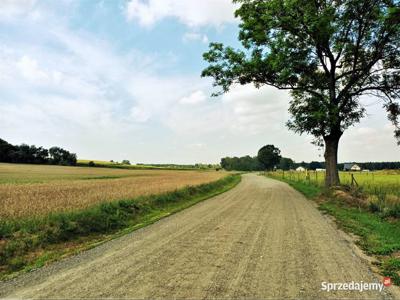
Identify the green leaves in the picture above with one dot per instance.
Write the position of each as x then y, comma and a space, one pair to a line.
269, 156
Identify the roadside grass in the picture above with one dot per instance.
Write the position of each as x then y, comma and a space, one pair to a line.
379, 234
391, 268
28, 243
310, 191
380, 188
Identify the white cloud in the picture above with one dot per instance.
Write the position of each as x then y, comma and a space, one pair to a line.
244, 110
371, 140
16, 8
195, 36
192, 13
256, 110
196, 145
30, 69
194, 98
139, 114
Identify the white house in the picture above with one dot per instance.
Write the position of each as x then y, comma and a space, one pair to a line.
320, 170
351, 167
355, 168
300, 169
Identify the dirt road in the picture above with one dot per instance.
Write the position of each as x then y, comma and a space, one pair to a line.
261, 239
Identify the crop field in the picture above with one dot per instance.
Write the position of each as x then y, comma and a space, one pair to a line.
371, 182
382, 187
34, 190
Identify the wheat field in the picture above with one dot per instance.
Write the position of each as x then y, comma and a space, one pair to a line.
32, 190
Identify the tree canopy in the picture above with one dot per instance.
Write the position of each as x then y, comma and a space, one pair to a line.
35, 155
328, 53
269, 156
245, 163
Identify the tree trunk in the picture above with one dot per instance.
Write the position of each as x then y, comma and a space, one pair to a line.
331, 151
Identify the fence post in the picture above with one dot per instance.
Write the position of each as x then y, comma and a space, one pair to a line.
353, 180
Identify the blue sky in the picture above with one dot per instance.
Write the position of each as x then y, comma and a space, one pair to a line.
121, 80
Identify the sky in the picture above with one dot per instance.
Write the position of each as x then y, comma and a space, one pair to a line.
121, 80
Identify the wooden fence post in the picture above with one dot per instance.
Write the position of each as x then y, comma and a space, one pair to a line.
353, 180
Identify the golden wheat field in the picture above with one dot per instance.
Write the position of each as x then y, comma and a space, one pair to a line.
31, 190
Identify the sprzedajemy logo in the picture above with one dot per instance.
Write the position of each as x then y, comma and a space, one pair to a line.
354, 286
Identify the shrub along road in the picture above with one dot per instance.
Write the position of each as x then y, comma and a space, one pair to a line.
261, 239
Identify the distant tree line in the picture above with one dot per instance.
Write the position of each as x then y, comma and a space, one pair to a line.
35, 155
269, 158
248, 163
245, 163
376, 165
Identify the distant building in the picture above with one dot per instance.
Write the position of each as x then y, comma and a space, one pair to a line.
320, 170
300, 169
351, 167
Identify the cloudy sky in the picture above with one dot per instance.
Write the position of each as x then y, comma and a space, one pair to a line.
121, 80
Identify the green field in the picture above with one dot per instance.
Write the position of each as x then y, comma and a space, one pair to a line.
370, 182
117, 165
382, 188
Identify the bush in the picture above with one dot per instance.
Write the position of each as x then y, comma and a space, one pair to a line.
393, 211
91, 163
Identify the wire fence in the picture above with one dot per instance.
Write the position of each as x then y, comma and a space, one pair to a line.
379, 183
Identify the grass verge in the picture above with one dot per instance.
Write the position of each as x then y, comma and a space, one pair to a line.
29, 243
378, 235
308, 190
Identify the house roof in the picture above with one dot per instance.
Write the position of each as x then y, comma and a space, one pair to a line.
348, 166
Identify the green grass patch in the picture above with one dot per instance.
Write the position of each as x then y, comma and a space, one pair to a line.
115, 165
391, 268
378, 236
308, 190
29, 243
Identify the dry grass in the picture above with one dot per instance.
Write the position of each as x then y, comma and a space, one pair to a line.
31, 190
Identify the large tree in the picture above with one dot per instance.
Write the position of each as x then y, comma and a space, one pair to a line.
269, 156
328, 53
